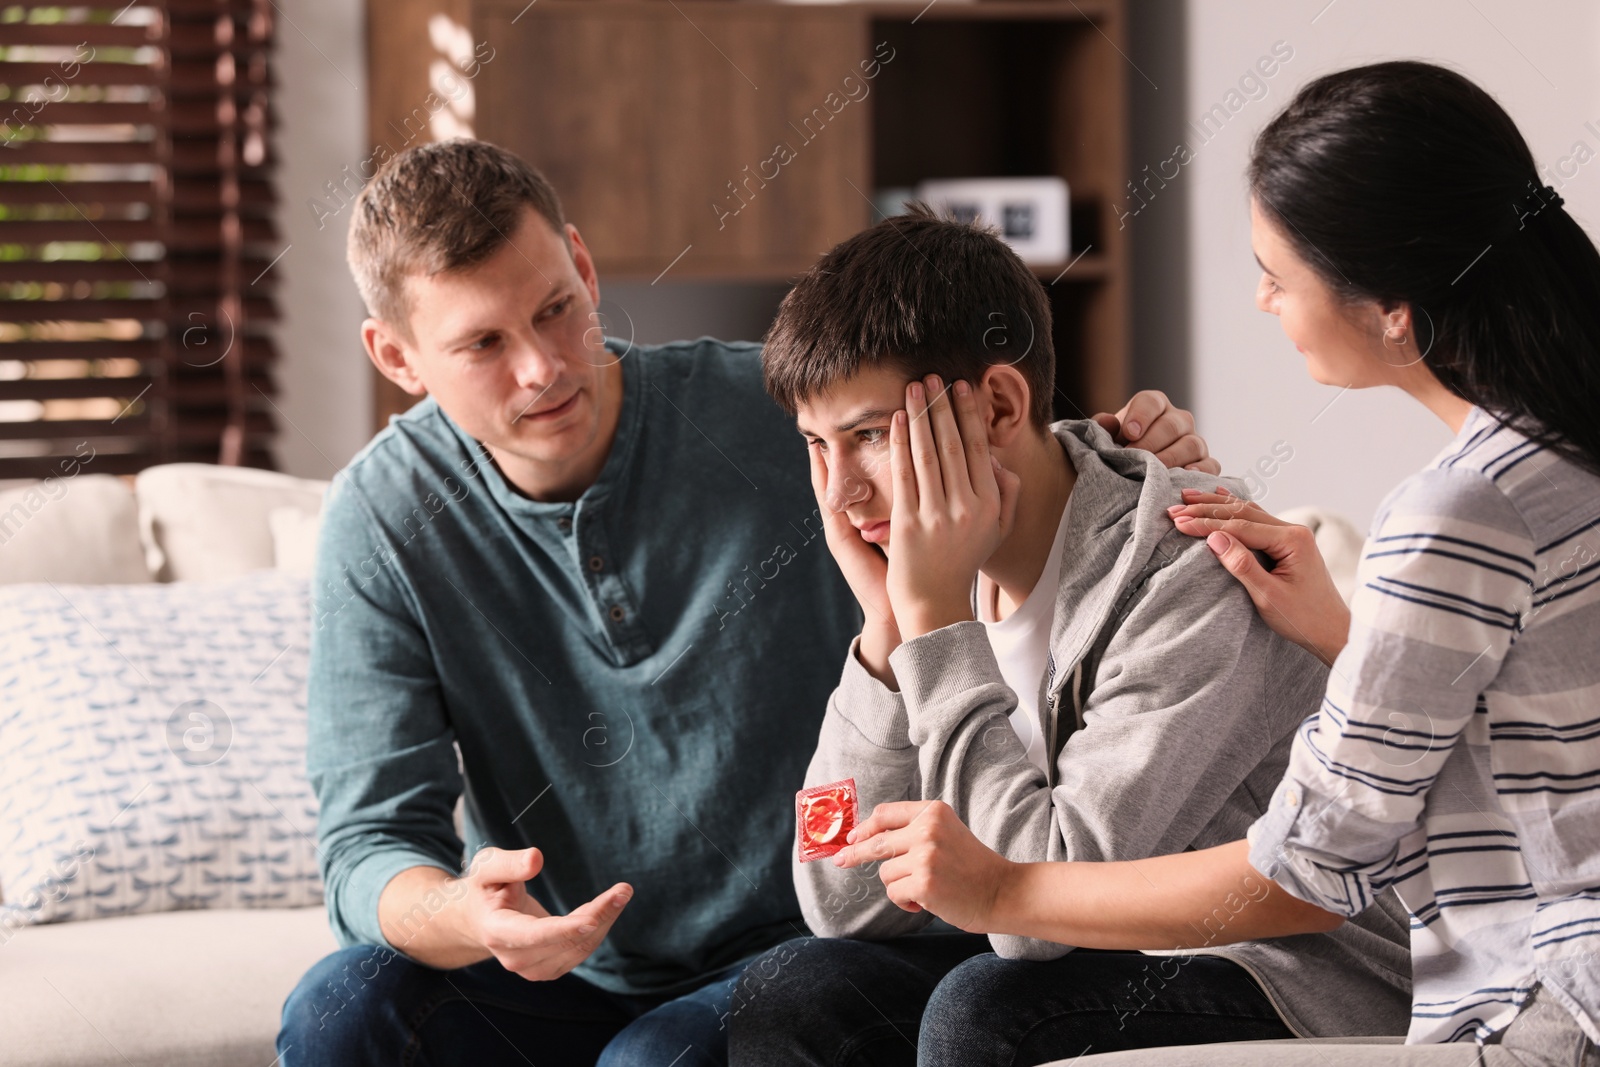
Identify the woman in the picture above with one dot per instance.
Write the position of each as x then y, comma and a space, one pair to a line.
1404, 239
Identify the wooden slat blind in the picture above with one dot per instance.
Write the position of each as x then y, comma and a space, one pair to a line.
136, 235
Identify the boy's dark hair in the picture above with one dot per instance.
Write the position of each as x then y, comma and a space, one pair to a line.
440, 207
917, 292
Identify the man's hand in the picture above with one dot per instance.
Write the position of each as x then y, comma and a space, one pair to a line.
931, 862
451, 922
953, 505
1151, 422
1297, 598
864, 569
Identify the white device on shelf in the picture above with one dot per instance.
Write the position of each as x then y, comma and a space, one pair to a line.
1030, 213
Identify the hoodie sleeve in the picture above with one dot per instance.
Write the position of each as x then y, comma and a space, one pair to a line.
1190, 692
863, 737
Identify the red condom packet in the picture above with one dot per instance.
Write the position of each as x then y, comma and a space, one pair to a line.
824, 817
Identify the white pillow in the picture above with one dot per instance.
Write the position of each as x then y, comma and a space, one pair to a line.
202, 521
294, 540
83, 529
1337, 539
152, 749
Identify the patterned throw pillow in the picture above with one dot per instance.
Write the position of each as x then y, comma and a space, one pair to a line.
152, 749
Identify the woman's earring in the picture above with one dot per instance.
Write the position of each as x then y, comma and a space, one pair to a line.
1396, 336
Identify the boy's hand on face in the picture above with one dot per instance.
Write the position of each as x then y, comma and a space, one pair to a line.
953, 505
931, 861
865, 570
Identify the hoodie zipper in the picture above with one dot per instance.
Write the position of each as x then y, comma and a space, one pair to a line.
1054, 756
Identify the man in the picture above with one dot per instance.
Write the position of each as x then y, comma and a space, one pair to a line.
594, 571
1044, 657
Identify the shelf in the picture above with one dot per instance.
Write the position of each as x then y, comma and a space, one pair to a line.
907, 10
957, 10
1088, 267
670, 164
703, 270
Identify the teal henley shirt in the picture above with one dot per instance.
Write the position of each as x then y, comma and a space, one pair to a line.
635, 680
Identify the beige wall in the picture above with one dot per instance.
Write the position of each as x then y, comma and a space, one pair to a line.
325, 393
1197, 332
1249, 387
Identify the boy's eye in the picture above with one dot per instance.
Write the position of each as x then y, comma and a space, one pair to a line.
874, 436
817, 442
484, 343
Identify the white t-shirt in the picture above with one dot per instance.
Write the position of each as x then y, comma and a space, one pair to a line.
1021, 641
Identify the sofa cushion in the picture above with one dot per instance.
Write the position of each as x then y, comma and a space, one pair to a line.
152, 749
202, 522
83, 529
294, 539
186, 988
1338, 541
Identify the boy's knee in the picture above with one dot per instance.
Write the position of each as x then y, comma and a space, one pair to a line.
787, 984
972, 991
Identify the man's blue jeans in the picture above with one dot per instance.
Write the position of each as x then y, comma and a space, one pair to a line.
369, 1005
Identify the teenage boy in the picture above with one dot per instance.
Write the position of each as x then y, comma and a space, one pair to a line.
589, 569
1045, 657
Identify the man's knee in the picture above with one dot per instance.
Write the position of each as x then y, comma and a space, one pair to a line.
339, 1001
684, 1034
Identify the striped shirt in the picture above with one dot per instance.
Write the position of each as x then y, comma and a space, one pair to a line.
1456, 756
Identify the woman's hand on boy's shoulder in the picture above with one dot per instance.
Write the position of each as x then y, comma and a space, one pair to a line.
1150, 421
1297, 597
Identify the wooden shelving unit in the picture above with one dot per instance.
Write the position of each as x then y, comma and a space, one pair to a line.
659, 124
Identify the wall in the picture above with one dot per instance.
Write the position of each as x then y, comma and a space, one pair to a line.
1194, 294
1197, 333
324, 379
666, 311
324, 404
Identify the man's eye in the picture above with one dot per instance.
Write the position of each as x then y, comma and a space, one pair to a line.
483, 344
873, 437
557, 308
817, 443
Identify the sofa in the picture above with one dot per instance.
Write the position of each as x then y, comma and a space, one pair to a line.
158, 892
194, 978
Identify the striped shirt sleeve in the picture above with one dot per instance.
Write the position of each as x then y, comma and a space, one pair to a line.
1441, 592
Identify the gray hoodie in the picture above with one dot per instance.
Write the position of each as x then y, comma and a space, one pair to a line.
1169, 708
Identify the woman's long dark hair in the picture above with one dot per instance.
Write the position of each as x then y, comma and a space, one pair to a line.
1405, 183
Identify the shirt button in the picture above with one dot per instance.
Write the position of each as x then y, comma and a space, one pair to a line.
1291, 798
616, 613
596, 563
564, 524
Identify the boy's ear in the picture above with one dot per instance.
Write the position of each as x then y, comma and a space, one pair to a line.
1004, 396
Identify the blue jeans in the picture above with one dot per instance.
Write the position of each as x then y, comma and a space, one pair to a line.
370, 1005
944, 1000
990, 1012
